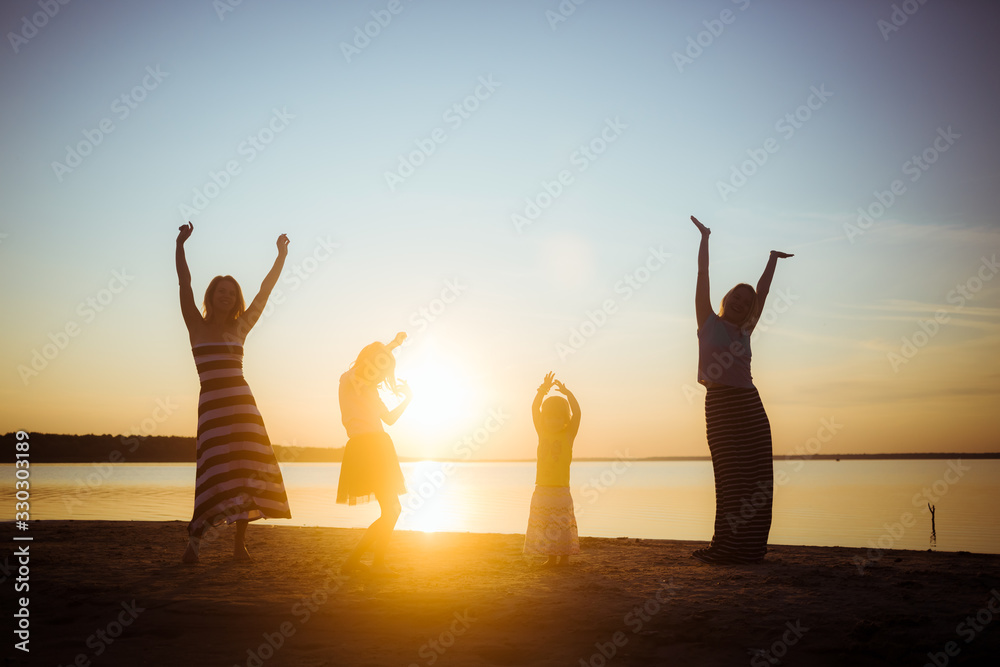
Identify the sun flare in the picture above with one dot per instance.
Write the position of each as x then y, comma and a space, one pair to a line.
429, 503
442, 392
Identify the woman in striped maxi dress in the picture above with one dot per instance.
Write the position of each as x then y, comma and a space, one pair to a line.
739, 434
238, 478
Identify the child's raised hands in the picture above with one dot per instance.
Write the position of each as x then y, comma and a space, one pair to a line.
550, 381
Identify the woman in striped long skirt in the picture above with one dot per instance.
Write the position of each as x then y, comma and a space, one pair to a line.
739, 434
238, 478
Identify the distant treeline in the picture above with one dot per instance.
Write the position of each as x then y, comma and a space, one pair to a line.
57, 448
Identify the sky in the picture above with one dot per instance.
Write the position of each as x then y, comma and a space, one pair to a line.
510, 183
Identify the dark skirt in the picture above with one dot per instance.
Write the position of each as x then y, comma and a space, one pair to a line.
739, 438
370, 467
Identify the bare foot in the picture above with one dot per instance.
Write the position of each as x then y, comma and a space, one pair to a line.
551, 561
242, 555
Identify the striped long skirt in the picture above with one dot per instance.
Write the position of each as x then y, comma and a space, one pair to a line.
739, 438
238, 477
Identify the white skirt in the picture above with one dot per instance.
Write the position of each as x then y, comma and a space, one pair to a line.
551, 523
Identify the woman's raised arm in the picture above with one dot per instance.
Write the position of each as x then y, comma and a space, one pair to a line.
764, 284
188, 307
702, 300
256, 308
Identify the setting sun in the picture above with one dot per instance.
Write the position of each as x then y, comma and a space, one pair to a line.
443, 395
500, 333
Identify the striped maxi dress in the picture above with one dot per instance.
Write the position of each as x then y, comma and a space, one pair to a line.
739, 438
238, 476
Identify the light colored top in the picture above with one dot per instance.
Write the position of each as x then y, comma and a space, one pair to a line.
555, 453
360, 406
723, 354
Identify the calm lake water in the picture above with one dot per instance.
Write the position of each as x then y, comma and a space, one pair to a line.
823, 503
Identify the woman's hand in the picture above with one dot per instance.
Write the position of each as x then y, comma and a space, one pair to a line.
184, 232
560, 386
778, 253
705, 231
547, 382
282, 245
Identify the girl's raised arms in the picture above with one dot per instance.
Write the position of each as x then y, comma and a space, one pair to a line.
390, 416
536, 405
574, 406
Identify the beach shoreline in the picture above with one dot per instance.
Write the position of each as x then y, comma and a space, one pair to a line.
116, 593
63, 448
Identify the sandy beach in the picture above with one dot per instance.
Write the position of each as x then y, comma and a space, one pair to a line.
115, 593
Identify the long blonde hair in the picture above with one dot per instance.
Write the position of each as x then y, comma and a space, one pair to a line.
238, 308
749, 320
375, 365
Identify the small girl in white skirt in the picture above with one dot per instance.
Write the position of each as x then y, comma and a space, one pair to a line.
552, 524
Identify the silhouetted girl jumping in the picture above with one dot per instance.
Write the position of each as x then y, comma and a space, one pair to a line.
370, 466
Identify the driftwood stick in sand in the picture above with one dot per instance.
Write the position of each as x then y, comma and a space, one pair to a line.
933, 529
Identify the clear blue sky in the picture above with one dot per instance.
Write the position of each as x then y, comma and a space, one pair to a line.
673, 131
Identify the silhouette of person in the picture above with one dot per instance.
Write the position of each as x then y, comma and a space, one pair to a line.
739, 434
370, 465
238, 478
551, 522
